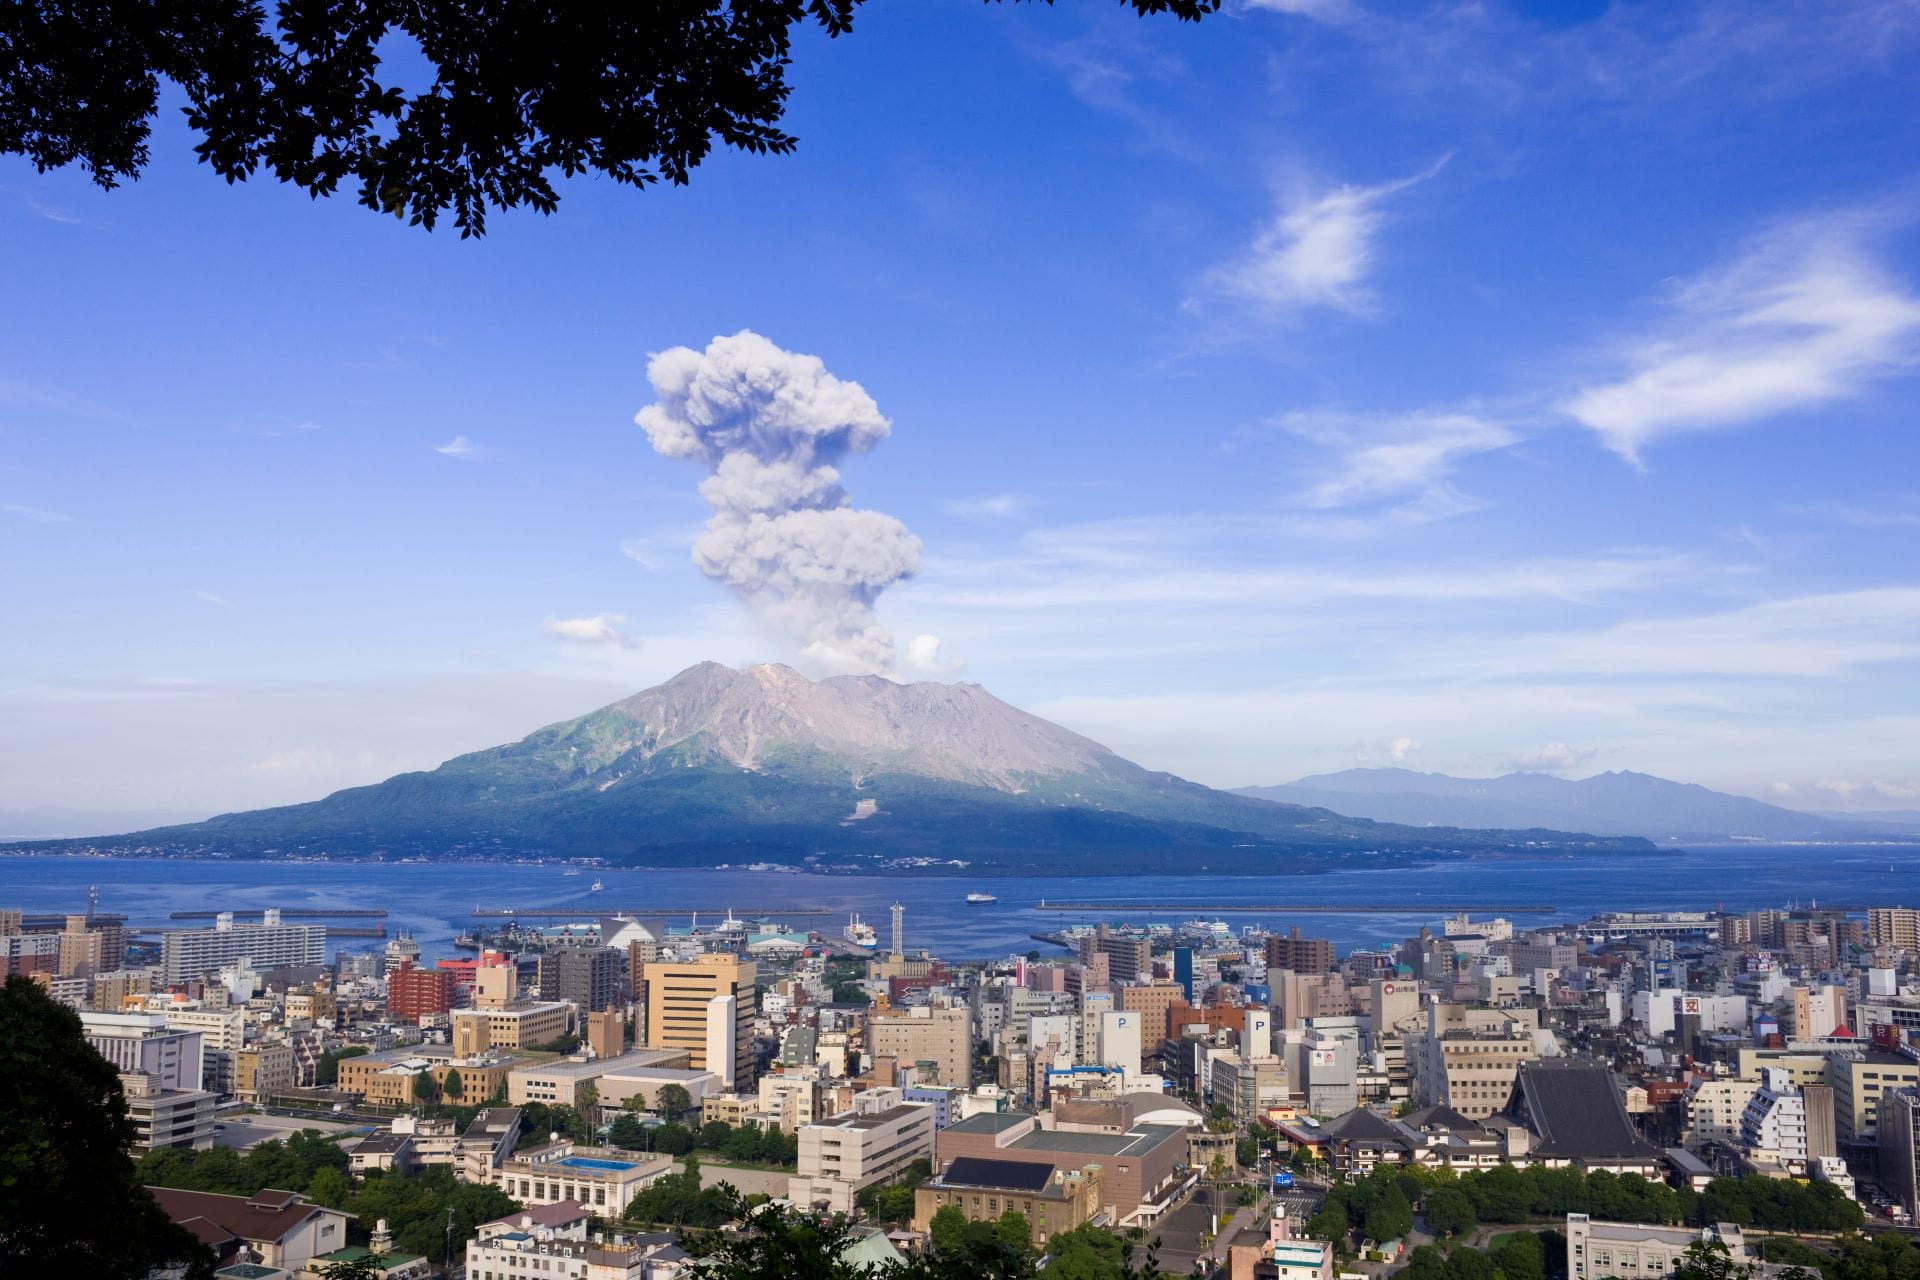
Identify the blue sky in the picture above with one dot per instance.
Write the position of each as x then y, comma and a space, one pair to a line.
1467, 387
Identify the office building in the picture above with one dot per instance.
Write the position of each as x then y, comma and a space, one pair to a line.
873, 1143
190, 954
1297, 954
706, 1006
143, 1043
1129, 958
939, 1038
1599, 1249
522, 1026
592, 977
163, 1117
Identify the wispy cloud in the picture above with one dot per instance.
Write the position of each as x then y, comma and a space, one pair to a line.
464, 449
1551, 757
38, 514
1316, 252
1322, 10
601, 628
211, 598
997, 506
1402, 458
1804, 318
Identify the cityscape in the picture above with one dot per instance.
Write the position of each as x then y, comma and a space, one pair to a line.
960, 640
1247, 1100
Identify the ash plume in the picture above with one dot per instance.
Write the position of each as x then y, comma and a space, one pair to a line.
784, 536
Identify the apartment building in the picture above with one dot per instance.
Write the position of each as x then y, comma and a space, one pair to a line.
521, 1026
190, 954
1895, 927
1713, 1109
1298, 954
1468, 1059
263, 1071
163, 1117
592, 977
414, 994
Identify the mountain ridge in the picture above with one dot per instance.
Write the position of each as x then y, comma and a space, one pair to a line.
850, 772
1617, 802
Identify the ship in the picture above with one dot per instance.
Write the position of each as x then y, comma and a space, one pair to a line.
861, 934
980, 899
595, 888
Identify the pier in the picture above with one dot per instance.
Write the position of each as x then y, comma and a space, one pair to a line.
596, 909
1305, 908
345, 913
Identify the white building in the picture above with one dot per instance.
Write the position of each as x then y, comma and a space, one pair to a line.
551, 1242
190, 954
1774, 1123
874, 1142
144, 1043
1600, 1249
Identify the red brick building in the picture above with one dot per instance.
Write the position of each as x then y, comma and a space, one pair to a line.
416, 993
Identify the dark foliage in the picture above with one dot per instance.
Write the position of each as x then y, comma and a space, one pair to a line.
64, 1135
511, 95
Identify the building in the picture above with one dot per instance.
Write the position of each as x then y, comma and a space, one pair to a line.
603, 1181
1051, 1199
941, 1038
1154, 1002
278, 1228
607, 1033
414, 994
1894, 927
143, 1043
263, 1071
608, 1081
1816, 1012
592, 977
187, 955
1142, 1166
1297, 954
1469, 1063
523, 1025
1294, 1258
871, 1144
1774, 1124
1899, 1142
1576, 1117
1713, 1109
1858, 1078
1129, 958
163, 1117
551, 1242
391, 1078
705, 1006
1599, 1249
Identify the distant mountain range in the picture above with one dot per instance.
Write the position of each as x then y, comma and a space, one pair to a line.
764, 765
1621, 804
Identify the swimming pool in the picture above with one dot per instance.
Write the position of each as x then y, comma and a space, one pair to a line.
587, 1162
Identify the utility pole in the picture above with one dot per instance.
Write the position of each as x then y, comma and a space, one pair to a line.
446, 1257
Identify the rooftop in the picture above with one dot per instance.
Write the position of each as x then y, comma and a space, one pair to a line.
990, 1122
1577, 1113
1002, 1175
1141, 1139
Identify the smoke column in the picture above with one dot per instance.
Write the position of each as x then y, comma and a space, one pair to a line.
771, 424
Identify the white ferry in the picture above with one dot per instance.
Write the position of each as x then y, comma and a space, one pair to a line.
861, 934
980, 899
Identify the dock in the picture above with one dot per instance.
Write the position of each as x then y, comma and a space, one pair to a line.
1305, 908
598, 909
345, 913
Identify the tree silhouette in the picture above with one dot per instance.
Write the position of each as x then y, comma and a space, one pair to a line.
70, 1203
517, 91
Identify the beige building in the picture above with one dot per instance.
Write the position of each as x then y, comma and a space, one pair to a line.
262, 1071
607, 1033
1052, 1200
602, 1180
1713, 1109
519, 1026
1896, 927
1600, 1249
567, 1081
1858, 1077
705, 1006
1154, 1003
1469, 1058
495, 986
163, 1117
873, 1143
390, 1078
940, 1037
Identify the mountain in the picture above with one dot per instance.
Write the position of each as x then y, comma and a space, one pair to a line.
1620, 803
765, 765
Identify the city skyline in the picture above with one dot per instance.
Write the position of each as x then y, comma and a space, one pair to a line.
1312, 387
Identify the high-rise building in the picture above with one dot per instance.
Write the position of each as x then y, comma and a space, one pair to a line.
413, 994
190, 954
683, 999
81, 951
1896, 927
607, 1033
1129, 959
590, 976
1299, 954
144, 1043
940, 1037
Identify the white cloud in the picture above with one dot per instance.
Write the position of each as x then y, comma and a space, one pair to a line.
601, 628
1396, 455
922, 658
464, 449
1552, 757
1403, 747
1805, 318
1813, 636
39, 515
1321, 10
212, 598
996, 506
1316, 252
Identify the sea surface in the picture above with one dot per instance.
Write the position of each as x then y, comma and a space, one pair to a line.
435, 900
